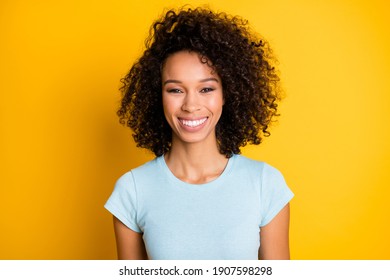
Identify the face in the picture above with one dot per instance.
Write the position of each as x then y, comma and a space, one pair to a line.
192, 98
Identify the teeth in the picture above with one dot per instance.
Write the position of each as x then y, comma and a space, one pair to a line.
193, 123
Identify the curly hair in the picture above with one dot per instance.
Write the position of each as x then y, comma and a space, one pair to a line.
243, 61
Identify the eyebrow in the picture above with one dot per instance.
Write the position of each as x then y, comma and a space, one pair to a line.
180, 82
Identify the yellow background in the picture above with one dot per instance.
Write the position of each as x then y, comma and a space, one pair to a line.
62, 147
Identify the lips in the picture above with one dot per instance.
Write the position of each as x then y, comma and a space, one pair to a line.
193, 123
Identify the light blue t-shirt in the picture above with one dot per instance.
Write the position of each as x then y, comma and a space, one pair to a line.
220, 219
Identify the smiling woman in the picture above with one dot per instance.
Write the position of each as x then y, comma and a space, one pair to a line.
192, 99
204, 87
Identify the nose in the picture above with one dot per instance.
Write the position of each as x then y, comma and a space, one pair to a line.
191, 102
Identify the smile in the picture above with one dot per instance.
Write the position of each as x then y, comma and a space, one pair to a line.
193, 123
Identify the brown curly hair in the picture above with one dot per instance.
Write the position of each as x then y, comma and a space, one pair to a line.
243, 61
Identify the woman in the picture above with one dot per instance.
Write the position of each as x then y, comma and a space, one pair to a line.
204, 87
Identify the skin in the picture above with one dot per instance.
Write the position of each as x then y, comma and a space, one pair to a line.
274, 237
129, 244
191, 91
192, 97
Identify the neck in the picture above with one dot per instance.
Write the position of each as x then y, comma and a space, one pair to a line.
195, 163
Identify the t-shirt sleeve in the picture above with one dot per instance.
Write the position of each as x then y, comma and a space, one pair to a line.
275, 194
123, 202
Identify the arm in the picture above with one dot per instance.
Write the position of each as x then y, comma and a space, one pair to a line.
130, 245
274, 244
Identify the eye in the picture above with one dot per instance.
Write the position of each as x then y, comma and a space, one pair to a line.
174, 90
206, 90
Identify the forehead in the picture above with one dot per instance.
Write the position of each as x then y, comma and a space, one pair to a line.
186, 65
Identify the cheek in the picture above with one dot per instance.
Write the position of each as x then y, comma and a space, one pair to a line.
170, 104
216, 104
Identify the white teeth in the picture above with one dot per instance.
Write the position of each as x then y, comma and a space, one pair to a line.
193, 123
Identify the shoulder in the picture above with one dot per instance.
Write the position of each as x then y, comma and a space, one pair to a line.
128, 180
260, 167
142, 178
252, 167
245, 162
260, 173
143, 170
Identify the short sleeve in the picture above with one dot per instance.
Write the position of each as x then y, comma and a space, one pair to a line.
123, 202
275, 194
